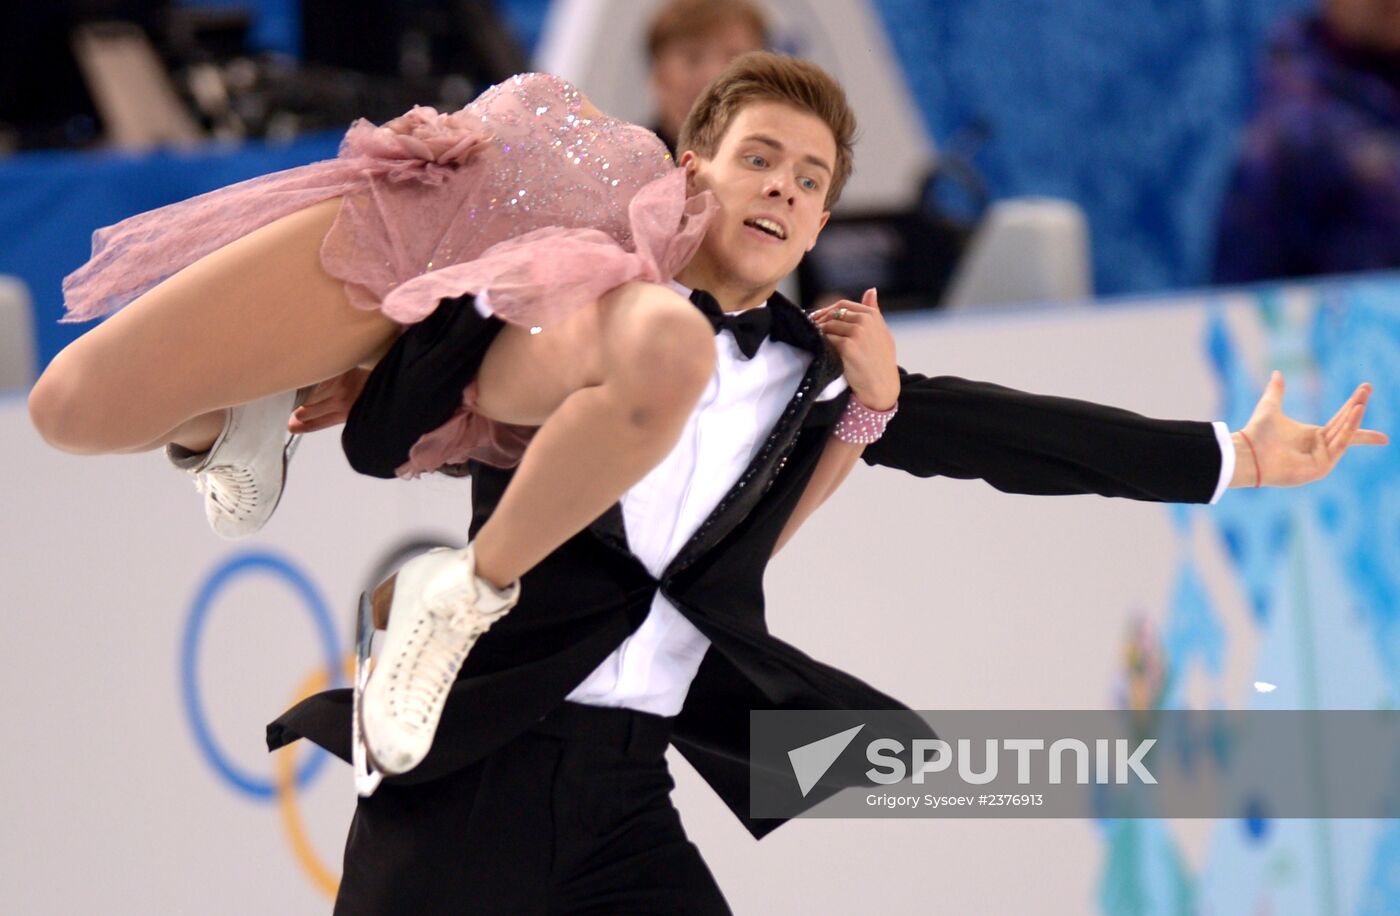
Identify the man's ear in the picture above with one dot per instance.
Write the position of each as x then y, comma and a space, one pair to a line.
690, 161
826, 215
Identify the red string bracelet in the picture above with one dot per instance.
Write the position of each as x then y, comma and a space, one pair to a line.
1258, 475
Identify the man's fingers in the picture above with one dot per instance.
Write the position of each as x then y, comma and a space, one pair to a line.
1359, 396
299, 424
318, 394
1340, 416
309, 418
335, 389
1340, 438
1337, 436
871, 298
313, 411
1273, 392
1370, 437
324, 406
1271, 401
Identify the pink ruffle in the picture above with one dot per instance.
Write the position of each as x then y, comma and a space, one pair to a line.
131, 257
542, 276
467, 435
422, 145
538, 279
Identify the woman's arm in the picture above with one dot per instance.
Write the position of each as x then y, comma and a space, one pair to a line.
858, 333
835, 463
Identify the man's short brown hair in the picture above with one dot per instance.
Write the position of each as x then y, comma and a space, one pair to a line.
687, 18
766, 77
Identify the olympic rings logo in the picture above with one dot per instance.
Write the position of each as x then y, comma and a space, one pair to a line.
289, 778
239, 566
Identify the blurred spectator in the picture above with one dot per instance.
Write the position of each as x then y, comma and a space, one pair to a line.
1317, 187
44, 101
690, 42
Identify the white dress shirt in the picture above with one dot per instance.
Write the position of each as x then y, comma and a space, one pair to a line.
1227, 460
651, 671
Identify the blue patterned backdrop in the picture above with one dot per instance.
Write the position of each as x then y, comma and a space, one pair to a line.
1131, 109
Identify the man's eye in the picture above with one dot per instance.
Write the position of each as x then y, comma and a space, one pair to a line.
809, 183
757, 160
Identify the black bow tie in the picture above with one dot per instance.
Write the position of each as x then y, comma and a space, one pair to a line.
750, 327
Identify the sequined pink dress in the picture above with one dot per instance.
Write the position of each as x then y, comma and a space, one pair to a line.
516, 194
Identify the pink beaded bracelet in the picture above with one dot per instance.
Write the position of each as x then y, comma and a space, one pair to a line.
859, 425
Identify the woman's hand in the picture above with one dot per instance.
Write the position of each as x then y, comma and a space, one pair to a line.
860, 336
329, 402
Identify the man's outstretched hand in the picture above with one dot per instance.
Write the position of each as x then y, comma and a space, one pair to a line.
1290, 453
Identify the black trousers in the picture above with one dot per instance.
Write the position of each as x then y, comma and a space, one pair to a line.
574, 816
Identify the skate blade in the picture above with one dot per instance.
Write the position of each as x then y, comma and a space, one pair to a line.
367, 775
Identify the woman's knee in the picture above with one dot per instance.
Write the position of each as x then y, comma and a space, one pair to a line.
75, 409
667, 350
56, 407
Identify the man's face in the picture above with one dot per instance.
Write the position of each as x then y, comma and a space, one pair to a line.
1370, 24
770, 174
684, 67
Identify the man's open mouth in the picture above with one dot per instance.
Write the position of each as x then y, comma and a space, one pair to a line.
767, 226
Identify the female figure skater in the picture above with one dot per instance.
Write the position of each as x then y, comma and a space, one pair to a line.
226, 304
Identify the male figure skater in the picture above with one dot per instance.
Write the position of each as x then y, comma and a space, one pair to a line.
547, 788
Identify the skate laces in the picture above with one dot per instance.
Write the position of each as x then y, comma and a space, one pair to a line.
432, 656
233, 488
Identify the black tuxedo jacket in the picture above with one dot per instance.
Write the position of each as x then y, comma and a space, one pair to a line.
578, 605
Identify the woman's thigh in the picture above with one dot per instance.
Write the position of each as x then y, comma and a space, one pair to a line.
256, 317
524, 377
635, 338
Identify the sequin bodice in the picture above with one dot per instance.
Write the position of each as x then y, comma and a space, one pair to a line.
444, 188
546, 165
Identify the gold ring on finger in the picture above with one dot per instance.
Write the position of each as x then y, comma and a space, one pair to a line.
841, 313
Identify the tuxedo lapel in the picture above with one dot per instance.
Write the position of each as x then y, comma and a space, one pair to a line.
790, 325
610, 528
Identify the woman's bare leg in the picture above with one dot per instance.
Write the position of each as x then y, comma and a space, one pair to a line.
613, 386
258, 317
